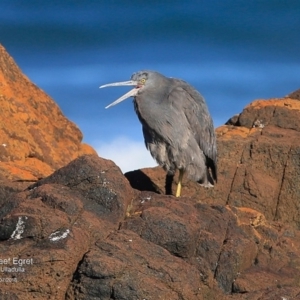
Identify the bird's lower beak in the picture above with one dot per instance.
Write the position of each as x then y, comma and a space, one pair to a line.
131, 93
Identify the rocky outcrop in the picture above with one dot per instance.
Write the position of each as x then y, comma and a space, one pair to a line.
85, 231
294, 95
258, 163
56, 222
36, 138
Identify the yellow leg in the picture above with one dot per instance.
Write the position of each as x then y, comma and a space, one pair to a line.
178, 191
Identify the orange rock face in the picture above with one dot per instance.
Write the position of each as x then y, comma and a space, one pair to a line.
35, 137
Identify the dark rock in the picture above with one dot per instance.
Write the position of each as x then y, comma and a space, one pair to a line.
83, 246
124, 266
8, 188
55, 222
224, 243
233, 120
97, 181
294, 95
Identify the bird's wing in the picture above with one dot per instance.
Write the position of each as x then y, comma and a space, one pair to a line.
189, 102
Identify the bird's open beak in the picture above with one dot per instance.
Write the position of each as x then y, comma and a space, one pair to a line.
131, 93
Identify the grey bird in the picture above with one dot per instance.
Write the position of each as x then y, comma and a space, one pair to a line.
177, 127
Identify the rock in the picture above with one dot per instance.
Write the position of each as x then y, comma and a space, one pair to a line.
124, 266
258, 163
103, 190
72, 226
88, 235
7, 188
226, 244
283, 113
57, 220
294, 95
37, 138
233, 120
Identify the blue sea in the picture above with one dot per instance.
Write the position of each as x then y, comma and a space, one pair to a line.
233, 52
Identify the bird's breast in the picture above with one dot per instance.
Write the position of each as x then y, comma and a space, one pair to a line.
147, 109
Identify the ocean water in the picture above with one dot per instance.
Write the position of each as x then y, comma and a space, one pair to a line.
231, 51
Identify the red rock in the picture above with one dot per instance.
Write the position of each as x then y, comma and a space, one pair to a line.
283, 113
91, 235
124, 266
36, 138
56, 221
227, 245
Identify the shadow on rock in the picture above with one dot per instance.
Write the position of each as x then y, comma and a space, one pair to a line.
140, 181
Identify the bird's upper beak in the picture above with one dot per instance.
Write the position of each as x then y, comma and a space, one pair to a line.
131, 93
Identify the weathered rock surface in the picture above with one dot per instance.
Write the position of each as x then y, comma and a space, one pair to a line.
258, 163
294, 95
91, 236
36, 138
84, 232
56, 221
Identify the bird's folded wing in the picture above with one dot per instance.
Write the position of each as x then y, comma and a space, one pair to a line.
192, 107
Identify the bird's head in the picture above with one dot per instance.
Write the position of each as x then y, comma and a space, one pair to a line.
140, 80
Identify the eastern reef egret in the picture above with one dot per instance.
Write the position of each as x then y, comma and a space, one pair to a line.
177, 127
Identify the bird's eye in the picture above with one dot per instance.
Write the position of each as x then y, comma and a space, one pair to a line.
143, 80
